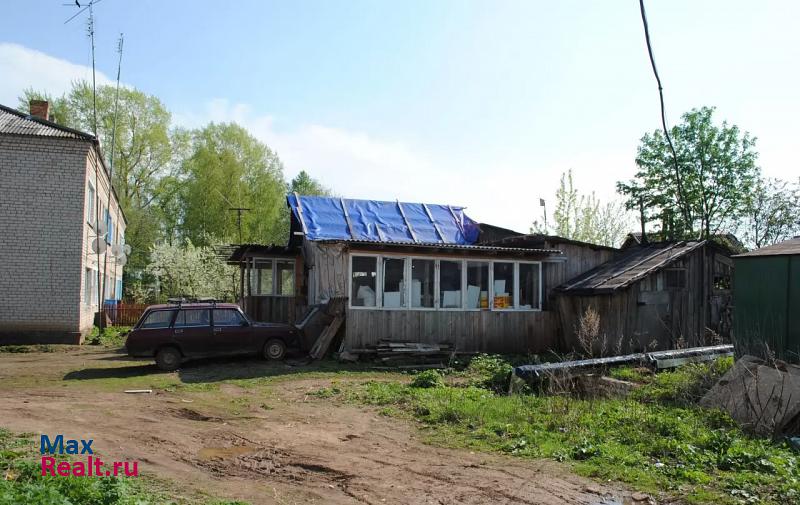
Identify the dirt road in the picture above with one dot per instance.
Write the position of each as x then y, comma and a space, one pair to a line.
274, 444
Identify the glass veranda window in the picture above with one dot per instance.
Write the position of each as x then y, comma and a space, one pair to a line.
503, 285
423, 275
477, 285
364, 281
394, 285
261, 278
529, 282
284, 275
450, 284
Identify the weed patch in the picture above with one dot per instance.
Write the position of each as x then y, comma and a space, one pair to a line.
696, 454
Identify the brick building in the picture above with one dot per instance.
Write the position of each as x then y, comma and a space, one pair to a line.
55, 201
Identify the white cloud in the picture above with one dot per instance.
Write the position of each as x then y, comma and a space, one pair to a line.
22, 67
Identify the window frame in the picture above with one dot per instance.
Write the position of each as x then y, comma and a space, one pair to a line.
91, 201
437, 282
192, 309
251, 268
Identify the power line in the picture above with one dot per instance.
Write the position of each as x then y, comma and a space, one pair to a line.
678, 180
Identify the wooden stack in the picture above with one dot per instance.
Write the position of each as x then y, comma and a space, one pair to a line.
413, 354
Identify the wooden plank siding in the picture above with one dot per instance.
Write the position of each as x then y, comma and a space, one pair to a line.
468, 331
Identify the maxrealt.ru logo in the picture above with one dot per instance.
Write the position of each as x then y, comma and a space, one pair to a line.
92, 466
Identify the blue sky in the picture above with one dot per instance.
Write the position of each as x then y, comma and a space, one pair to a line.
477, 103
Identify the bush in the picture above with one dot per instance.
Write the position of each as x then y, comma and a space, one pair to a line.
427, 379
684, 385
489, 371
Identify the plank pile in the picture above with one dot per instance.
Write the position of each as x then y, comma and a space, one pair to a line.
413, 354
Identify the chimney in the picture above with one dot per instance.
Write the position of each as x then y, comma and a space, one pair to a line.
40, 109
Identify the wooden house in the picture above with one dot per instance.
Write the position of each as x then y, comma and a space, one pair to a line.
412, 272
653, 296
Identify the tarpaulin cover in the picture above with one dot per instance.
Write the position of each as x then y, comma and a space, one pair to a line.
373, 220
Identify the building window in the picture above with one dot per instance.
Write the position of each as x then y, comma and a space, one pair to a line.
90, 203
89, 287
284, 277
450, 284
261, 278
530, 277
503, 283
675, 278
363, 281
394, 292
425, 283
477, 285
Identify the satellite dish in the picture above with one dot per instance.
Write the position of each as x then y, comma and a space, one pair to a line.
116, 250
127, 249
121, 260
99, 245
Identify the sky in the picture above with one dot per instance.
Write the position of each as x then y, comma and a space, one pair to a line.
476, 103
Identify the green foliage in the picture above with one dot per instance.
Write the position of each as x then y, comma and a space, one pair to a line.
630, 373
427, 379
585, 218
697, 454
187, 270
304, 184
489, 371
716, 175
773, 214
114, 336
229, 168
684, 385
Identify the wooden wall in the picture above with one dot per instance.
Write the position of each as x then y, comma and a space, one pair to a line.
473, 331
274, 309
640, 317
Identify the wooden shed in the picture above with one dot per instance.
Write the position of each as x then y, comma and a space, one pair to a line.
653, 296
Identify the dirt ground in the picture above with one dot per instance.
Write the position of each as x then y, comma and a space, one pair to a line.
219, 429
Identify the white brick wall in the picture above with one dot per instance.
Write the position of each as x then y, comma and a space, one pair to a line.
43, 233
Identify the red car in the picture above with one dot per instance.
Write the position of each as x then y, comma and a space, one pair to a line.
174, 332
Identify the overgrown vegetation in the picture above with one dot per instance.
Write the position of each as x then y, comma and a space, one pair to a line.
114, 336
27, 348
655, 441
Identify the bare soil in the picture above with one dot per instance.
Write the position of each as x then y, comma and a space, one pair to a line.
273, 444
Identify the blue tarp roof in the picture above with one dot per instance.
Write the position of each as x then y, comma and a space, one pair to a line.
325, 218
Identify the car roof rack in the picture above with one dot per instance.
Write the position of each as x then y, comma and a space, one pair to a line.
181, 300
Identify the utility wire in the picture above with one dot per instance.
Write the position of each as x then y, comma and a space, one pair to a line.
678, 180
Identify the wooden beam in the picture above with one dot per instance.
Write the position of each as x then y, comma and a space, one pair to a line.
347, 218
433, 222
380, 233
408, 223
458, 223
300, 213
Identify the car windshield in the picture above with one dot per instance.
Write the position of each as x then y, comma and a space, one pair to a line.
157, 319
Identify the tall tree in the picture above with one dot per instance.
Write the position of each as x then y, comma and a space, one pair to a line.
773, 214
304, 184
229, 168
585, 217
146, 149
717, 167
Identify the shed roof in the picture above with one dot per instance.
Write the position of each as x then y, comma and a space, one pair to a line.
234, 253
326, 218
539, 239
787, 247
439, 247
636, 264
14, 122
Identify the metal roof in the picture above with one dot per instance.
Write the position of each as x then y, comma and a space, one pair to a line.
440, 246
787, 247
633, 266
14, 122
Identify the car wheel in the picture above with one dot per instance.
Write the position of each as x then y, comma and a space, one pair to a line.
168, 358
274, 349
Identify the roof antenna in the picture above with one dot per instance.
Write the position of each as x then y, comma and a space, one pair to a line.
116, 106
90, 29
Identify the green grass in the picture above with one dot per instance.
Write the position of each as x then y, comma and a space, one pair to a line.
21, 482
654, 444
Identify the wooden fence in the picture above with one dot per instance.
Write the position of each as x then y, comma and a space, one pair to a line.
124, 314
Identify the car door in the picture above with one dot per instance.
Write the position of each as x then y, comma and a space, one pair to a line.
192, 331
232, 332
